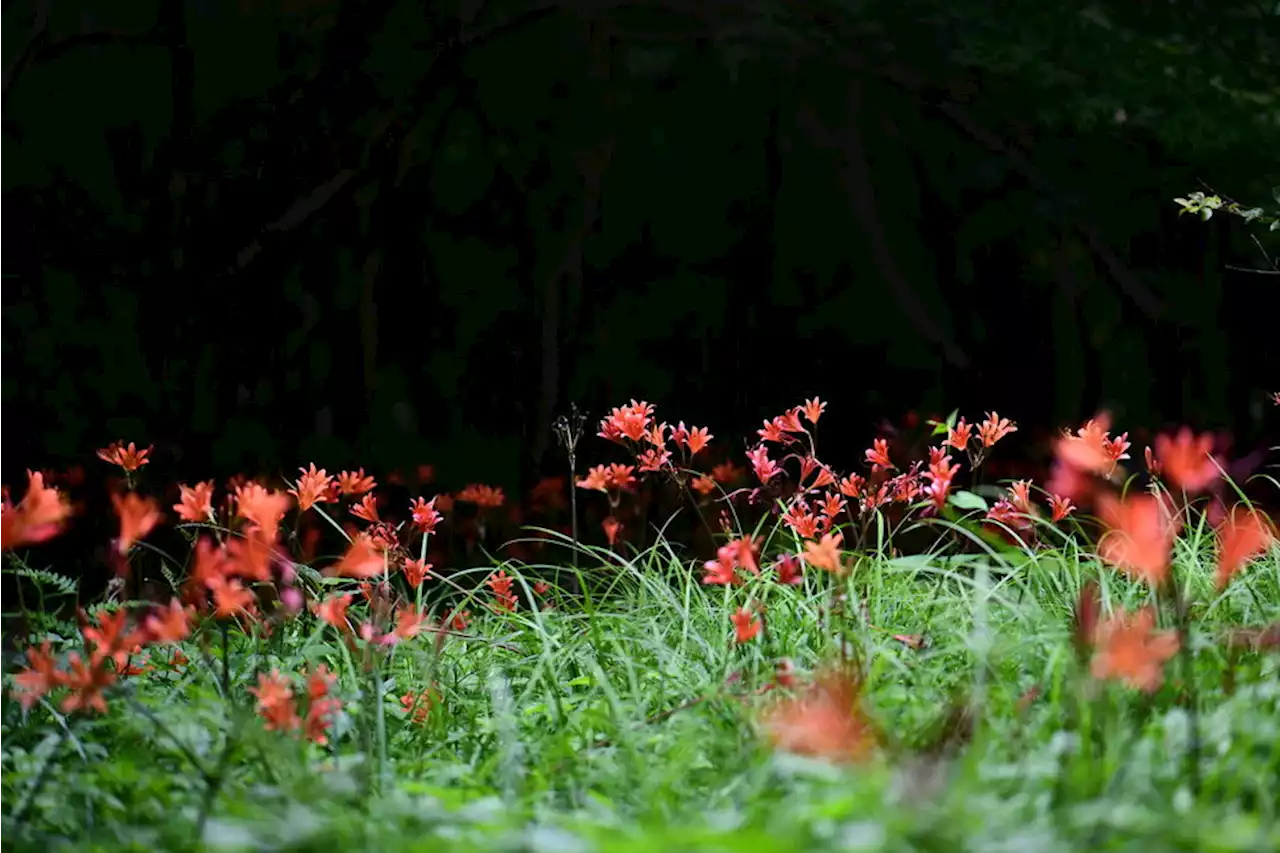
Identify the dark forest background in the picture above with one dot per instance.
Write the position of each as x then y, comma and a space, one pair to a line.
259, 234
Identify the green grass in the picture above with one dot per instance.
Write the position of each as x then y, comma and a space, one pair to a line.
626, 720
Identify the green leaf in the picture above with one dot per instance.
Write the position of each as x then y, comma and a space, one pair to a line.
968, 500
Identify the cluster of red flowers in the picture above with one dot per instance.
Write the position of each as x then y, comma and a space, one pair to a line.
110, 644
278, 703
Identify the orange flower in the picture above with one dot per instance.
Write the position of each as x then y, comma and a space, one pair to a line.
960, 435
312, 488
408, 623
501, 583
727, 473
87, 684
196, 503
630, 422
417, 705
168, 624
1061, 507
38, 517
230, 598
333, 610
137, 516
878, 455
362, 561
813, 409
1092, 449
1129, 651
825, 722
416, 571
1243, 535
746, 625
262, 508
704, 485
355, 483
1140, 537
1188, 460
276, 704
611, 527
129, 458
367, 508
994, 428
39, 678
485, 497
425, 517
826, 553
111, 640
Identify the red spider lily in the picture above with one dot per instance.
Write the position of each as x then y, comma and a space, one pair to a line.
825, 722
417, 705
129, 458
629, 422
1129, 650
276, 704
727, 473
1004, 512
1061, 507
1092, 449
831, 505
230, 598
196, 502
86, 684
746, 625
764, 467
825, 554
40, 677
940, 475
721, 571
704, 485
485, 497
790, 570
1244, 535
906, 487
1140, 535
773, 431
605, 477
1020, 497
657, 434
804, 523
851, 486
137, 515
408, 625
871, 501
416, 571
425, 517
994, 428
355, 483
110, 638
611, 527
1187, 460
500, 583
313, 488
169, 625
333, 610
653, 459
960, 435
366, 508
458, 620
321, 706
38, 517
789, 421
813, 410
362, 561
262, 508
878, 455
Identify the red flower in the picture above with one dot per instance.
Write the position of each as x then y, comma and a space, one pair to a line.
1244, 535
746, 625
425, 517
366, 509
38, 517
129, 458
1187, 460
994, 428
813, 410
790, 570
355, 483
485, 497
196, 502
825, 722
878, 455
313, 487
169, 624
1140, 537
960, 435
333, 610
826, 553
137, 516
262, 508
1061, 507
416, 571
362, 561
1129, 651
40, 678
765, 467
